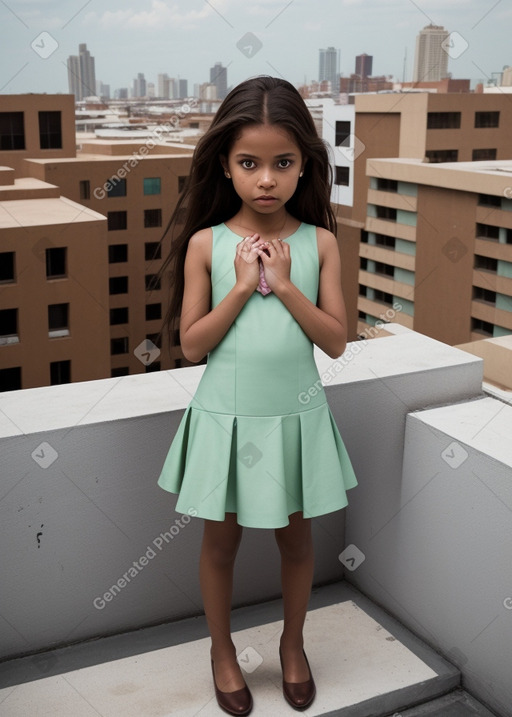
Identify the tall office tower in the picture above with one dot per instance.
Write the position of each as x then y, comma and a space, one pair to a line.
431, 60
139, 85
87, 71
163, 87
219, 78
329, 67
364, 64
74, 84
183, 88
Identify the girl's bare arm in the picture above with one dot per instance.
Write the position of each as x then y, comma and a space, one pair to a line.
201, 329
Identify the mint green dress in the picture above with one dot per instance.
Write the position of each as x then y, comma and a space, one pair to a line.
258, 439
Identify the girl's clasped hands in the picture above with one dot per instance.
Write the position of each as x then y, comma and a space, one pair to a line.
274, 255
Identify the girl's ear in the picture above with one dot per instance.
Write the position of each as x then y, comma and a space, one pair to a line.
224, 162
303, 167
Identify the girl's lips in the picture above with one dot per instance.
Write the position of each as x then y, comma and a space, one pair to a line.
266, 200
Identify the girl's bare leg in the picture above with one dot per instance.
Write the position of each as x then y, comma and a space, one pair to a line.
218, 553
297, 563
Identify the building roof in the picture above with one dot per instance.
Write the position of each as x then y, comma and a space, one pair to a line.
19, 213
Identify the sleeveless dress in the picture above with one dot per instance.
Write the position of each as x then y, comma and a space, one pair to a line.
258, 439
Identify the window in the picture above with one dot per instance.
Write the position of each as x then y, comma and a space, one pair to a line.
118, 285
8, 326
382, 296
486, 231
363, 263
50, 130
342, 176
123, 371
152, 250
155, 339
181, 183
119, 316
58, 324
12, 130
387, 185
508, 236
153, 311
342, 132
383, 240
116, 221
117, 253
442, 155
85, 189
10, 379
116, 187
56, 262
485, 263
7, 271
60, 372
483, 327
362, 290
119, 346
152, 185
384, 269
152, 282
154, 366
489, 200
482, 154
152, 218
480, 294
388, 213
487, 119
364, 236
443, 120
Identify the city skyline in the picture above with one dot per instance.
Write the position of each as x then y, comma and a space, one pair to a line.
186, 40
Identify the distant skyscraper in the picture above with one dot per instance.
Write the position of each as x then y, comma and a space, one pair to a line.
431, 60
329, 67
163, 87
81, 74
219, 78
183, 89
364, 64
139, 85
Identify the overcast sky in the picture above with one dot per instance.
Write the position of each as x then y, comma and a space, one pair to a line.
186, 37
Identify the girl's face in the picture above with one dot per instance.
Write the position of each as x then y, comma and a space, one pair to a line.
264, 163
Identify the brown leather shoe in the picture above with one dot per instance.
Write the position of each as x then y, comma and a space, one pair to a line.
299, 694
238, 702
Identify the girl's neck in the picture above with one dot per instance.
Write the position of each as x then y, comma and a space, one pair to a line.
275, 225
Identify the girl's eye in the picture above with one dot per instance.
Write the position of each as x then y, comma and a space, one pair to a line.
247, 163
287, 163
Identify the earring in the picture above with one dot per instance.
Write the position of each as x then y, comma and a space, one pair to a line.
227, 175
301, 174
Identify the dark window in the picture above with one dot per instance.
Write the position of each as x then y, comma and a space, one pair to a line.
442, 155
56, 262
482, 154
483, 327
364, 236
85, 189
119, 346
119, 316
383, 296
342, 177
443, 120
7, 273
152, 185
487, 119
152, 250
116, 187
487, 231
489, 200
50, 130
8, 323
177, 363
116, 221
362, 290
361, 315
152, 218
155, 366
508, 238
181, 184
10, 379
12, 131
153, 282
123, 371
118, 285
155, 339
384, 269
117, 253
58, 318
383, 240
60, 372
342, 132
484, 295
176, 337
363, 263
153, 311
485, 263
386, 213
387, 185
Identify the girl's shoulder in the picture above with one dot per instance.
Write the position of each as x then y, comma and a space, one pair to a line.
200, 246
326, 242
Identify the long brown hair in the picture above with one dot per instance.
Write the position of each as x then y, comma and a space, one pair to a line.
208, 198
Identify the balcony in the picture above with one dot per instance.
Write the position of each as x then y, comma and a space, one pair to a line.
412, 600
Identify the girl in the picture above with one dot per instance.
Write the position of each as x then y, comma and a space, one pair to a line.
256, 276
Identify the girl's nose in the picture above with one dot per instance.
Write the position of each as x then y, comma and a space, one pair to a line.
266, 179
